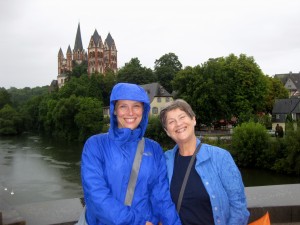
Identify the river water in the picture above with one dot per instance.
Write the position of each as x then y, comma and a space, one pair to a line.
35, 169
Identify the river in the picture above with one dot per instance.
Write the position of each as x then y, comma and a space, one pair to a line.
35, 169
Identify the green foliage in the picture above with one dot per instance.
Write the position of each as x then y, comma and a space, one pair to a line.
275, 90
109, 80
274, 154
133, 72
165, 69
156, 132
5, 97
105, 127
89, 119
30, 113
72, 118
75, 86
290, 162
222, 88
10, 121
78, 69
266, 120
21, 96
63, 117
96, 86
45, 114
249, 141
218, 141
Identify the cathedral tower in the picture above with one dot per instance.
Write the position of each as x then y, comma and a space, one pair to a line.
110, 54
101, 57
78, 51
95, 54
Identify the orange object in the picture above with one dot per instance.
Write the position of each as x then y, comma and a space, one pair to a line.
264, 220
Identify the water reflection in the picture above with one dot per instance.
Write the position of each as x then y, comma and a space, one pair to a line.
255, 177
37, 169
34, 169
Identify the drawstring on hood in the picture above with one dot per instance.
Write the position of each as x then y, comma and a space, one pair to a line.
133, 92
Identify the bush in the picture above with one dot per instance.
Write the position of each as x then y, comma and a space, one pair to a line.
156, 132
249, 141
289, 162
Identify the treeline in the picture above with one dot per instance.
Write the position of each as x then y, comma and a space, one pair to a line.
217, 89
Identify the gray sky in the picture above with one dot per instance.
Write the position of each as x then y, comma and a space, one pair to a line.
32, 31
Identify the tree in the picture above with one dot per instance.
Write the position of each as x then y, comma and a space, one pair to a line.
63, 116
109, 80
78, 69
133, 72
21, 96
10, 121
156, 132
276, 90
223, 87
191, 85
75, 86
30, 113
46, 108
4, 97
165, 69
95, 86
248, 85
89, 119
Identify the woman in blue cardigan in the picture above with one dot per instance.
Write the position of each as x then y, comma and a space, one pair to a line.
214, 192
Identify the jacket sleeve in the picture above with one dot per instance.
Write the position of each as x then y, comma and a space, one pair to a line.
163, 205
234, 187
98, 198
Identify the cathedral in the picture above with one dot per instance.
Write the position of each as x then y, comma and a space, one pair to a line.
100, 56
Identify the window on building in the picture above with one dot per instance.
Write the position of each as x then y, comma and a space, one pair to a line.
167, 99
154, 110
277, 116
159, 99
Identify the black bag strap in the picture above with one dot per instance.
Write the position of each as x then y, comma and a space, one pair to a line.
186, 176
134, 172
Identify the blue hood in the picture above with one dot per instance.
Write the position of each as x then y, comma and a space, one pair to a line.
126, 91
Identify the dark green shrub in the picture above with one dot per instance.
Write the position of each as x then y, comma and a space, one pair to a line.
156, 132
289, 162
249, 141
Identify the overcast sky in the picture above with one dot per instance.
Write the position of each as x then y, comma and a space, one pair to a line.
32, 31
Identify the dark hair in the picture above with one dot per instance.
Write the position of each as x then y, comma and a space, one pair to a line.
177, 104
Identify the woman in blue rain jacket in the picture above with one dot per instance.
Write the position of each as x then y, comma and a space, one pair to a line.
107, 161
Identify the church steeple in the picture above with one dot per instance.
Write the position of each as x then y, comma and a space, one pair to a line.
78, 41
78, 51
110, 42
110, 54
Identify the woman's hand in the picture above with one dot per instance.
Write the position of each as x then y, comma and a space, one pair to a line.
149, 223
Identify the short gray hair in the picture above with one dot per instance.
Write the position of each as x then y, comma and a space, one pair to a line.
176, 104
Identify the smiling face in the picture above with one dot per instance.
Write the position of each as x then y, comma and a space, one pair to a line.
129, 113
180, 126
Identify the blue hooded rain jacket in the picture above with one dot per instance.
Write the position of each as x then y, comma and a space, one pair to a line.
106, 166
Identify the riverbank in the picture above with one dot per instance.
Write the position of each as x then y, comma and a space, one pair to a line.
281, 201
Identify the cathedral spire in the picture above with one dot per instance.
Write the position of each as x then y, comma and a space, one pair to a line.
109, 41
78, 41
